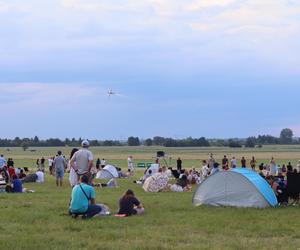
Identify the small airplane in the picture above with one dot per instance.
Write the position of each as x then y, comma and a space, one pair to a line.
110, 92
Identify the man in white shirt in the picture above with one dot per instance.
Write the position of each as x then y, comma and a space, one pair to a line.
204, 170
84, 160
233, 162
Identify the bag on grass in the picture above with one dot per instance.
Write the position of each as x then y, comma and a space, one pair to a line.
104, 210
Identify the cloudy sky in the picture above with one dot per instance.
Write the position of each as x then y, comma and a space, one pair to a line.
214, 68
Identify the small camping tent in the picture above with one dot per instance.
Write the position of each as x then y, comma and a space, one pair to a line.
238, 187
151, 170
156, 182
108, 172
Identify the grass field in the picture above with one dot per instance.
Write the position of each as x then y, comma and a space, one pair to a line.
38, 220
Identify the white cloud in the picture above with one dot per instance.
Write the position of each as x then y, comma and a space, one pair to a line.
109, 29
202, 4
38, 95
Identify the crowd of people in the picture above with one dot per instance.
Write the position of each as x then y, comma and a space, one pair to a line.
82, 173
12, 178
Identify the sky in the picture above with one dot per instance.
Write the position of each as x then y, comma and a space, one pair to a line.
213, 68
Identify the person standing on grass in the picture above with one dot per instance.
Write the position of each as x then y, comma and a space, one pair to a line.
59, 166
83, 199
253, 163
179, 164
73, 179
42, 165
84, 161
272, 167
98, 162
130, 165
50, 165
225, 163
243, 162
211, 161
289, 167
233, 162
102, 163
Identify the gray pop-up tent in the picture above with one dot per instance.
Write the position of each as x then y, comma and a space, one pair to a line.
108, 172
238, 187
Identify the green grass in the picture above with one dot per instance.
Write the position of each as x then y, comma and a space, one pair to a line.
39, 221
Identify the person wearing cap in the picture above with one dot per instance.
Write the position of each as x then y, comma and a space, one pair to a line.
59, 166
83, 159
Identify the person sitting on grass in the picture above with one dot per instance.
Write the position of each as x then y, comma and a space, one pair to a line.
2, 183
271, 181
181, 185
130, 205
215, 168
16, 184
40, 176
193, 177
83, 200
5, 174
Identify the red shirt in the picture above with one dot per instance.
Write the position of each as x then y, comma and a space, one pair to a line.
11, 172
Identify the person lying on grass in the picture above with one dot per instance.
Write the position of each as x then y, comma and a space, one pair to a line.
111, 184
130, 205
83, 200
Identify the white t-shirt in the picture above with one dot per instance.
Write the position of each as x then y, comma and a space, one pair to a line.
233, 162
204, 171
50, 161
40, 177
2, 161
130, 163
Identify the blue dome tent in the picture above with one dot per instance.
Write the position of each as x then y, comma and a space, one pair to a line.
238, 187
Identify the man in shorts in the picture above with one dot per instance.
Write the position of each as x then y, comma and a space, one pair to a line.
59, 166
82, 161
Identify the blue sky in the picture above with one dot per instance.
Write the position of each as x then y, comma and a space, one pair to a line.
226, 68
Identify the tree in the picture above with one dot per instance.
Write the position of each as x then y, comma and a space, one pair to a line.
234, 143
250, 142
133, 141
25, 146
158, 141
148, 142
286, 136
202, 142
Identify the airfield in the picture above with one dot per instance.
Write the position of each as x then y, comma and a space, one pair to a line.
39, 220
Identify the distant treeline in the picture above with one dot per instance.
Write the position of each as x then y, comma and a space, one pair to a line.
286, 137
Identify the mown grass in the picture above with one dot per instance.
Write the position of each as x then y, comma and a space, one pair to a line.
39, 221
